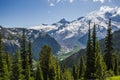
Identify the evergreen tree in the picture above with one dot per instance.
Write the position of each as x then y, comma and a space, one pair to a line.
93, 54
52, 67
4, 75
108, 48
8, 61
81, 67
58, 71
90, 57
39, 74
48, 63
1, 55
24, 52
94, 39
74, 72
16, 67
30, 56
115, 64
67, 75
27, 73
63, 67
100, 64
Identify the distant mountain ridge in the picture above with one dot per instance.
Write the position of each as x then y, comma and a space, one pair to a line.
12, 40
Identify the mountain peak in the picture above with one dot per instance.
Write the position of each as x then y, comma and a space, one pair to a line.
64, 21
80, 18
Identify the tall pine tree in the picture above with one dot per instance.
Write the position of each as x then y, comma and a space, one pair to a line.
8, 61
38, 74
48, 63
27, 72
1, 56
23, 52
90, 58
24, 57
81, 67
94, 39
100, 64
16, 67
66, 75
115, 63
108, 48
58, 70
4, 75
30, 58
74, 72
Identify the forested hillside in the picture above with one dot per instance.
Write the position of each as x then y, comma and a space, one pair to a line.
93, 65
74, 59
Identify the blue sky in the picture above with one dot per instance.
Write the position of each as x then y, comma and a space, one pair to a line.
25, 13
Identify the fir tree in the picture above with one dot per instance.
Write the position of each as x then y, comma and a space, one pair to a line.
48, 64
94, 38
1, 56
23, 52
30, 56
58, 71
52, 67
67, 75
74, 72
8, 61
81, 67
100, 64
108, 48
4, 75
93, 54
27, 73
115, 66
90, 67
1, 52
16, 67
39, 74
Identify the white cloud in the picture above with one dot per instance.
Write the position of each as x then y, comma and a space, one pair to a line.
55, 2
58, 1
102, 1
51, 4
71, 1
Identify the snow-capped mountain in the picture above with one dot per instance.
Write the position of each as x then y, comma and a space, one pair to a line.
74, 33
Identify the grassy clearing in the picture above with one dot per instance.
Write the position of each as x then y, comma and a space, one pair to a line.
114, 78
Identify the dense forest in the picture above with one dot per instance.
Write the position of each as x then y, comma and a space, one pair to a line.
93, 66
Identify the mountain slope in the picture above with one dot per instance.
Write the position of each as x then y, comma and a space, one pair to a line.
74, 59
12, 40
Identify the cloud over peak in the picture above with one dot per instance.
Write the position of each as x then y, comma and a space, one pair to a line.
54, 2
102, 1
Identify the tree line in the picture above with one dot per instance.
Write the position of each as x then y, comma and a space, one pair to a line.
95, 65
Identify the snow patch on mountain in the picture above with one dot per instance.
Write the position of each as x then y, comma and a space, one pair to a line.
44, 27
